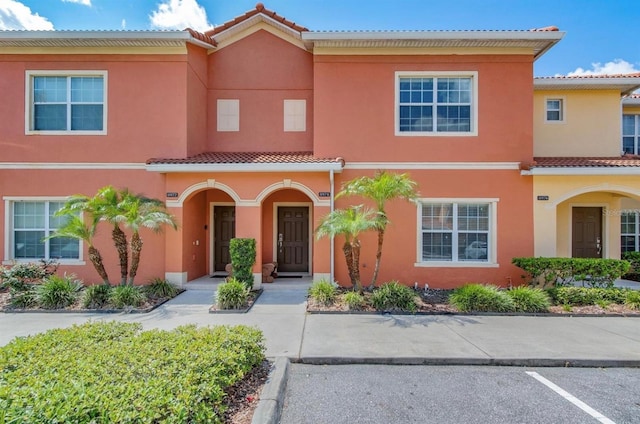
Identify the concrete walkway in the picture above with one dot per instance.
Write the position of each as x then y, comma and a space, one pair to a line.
401, 339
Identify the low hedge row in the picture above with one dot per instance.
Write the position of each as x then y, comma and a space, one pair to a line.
108, 372
548, 272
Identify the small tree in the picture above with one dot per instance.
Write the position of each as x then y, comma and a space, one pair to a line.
243, 257
384, 186
349, 223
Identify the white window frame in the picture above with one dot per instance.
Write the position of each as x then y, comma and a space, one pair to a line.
563, 109
636, 234
636, 135
295, 115
435, 74
228, 115
492, 249
9, 254
29, 100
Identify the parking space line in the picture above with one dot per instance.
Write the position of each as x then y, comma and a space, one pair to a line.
568, 396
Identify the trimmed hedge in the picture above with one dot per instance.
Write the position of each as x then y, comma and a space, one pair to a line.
549, 272
243, 256
583, 296
108, 372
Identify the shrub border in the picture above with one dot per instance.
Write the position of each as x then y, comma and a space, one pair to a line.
214, 309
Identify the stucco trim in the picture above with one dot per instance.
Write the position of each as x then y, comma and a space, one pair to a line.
584, 170
290, 184
604, 187
245, 167
202, 186
470, 166
71, 165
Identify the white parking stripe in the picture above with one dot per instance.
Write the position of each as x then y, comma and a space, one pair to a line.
568, 396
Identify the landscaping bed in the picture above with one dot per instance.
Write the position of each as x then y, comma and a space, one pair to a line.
476, 299
251, 299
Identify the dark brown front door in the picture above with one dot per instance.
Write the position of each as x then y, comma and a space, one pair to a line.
292, 240
586, 232
224, 223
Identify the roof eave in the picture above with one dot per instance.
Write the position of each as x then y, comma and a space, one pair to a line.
581, 170
625, 85
244, 167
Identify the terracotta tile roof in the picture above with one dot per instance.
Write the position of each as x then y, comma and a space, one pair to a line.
259, 9
586, 162
599, 76
202, 37
245, 158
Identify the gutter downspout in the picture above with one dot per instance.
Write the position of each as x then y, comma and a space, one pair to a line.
331, 246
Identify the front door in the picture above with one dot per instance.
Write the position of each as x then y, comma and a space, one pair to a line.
224, 229
587, 232
292, 242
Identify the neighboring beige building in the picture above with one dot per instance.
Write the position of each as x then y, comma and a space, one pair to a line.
586, 172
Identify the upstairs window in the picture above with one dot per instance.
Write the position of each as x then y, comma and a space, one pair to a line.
295, 115
71, 103
228, 115
555, 110
436, 104
631, 134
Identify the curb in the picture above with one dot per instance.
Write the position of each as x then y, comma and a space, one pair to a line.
272, 396
511, 362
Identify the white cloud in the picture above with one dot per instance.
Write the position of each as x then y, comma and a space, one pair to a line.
82, 2
615, 67
180, 14
123, 24
16, 16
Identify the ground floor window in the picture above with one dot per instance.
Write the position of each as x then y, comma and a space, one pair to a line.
33, 221
456, 231
629, 237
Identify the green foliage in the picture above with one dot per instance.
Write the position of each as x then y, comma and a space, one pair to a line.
632, 299
634, 260
354, 300
126, 296
323, 292
527, 299
582, 296
23, 299
549, 272
159, 288
111, 372
21, 275
96, 296
394, 296
243, 256
232, 294
481, 298
57, 292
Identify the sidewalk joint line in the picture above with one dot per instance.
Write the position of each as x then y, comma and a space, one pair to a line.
568, 396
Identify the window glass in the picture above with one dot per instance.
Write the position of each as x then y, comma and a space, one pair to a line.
554, 110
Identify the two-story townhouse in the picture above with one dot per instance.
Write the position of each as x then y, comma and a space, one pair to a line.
585, 171
250, 129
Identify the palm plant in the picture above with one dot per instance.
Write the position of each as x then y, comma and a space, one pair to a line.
76, 228
349, 223
383, 187
138, 212
107, 203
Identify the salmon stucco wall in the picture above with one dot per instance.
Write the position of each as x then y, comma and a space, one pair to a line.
146, 109
45, 184
196, 101
591, 124
261, 71
400, 252
355, 109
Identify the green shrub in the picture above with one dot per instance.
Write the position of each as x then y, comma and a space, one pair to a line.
232, 294
527, 299
22, 275
632, 299
96, 296
58, 292
354, 300
22, 299
582, 296
547, 272
112, 372
323, 292
481, 298
634, 260
160, 288
243, 256
126, 296
394, 296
